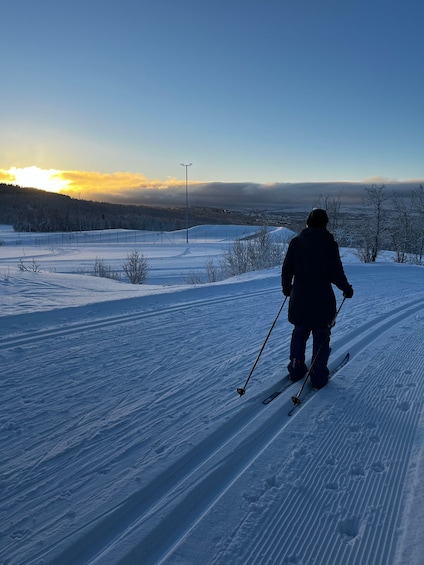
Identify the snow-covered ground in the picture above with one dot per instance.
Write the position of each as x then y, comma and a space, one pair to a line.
124, 441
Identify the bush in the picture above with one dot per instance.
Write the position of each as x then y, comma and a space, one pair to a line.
136, 268
105, 271
261, 252
29, 266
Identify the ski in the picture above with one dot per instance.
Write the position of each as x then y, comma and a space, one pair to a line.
296, 399
286, 384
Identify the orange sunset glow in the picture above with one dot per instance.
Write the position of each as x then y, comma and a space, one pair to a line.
82, 184
33, 177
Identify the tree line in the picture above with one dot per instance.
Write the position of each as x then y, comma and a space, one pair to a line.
388, 221
34, 210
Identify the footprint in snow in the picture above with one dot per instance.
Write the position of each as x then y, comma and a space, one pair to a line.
331, 486
270, 482
357, 471
404, 406
251, 497
378, 467
349, 527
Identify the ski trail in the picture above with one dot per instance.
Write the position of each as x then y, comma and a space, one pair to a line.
225, 457
96, 428
335, 498
112, 321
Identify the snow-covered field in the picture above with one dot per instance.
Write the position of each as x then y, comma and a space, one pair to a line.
124, 441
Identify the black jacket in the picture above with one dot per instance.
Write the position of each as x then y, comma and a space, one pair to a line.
312, 264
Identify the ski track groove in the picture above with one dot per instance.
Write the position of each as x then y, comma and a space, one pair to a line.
74, 447
13, 341
130, 515
228, 433
268, 539
350, 525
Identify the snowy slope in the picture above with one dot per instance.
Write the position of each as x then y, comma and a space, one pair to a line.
124, 440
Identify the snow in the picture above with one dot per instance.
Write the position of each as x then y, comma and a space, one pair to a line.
124, 440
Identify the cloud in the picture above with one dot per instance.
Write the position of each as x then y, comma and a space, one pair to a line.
131, 188
83, 181
136, 188
124, 188
6, 176
227, 195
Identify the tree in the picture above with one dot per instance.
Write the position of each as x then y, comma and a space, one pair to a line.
332, 206
260, 252
136, 268
336, 220
401, 228
370, 233
418, 223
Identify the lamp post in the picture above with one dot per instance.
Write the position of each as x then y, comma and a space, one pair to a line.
186, 175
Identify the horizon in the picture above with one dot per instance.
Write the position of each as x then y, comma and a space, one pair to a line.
225, 195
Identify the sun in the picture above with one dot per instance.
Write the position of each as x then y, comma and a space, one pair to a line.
34, 177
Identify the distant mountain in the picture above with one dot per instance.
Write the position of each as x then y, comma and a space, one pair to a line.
30, 209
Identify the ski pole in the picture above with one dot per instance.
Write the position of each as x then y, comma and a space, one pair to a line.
296, 399
241, 391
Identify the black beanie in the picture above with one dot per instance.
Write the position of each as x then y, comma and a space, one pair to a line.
317, 219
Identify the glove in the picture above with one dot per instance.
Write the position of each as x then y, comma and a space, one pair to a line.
348, 293
287, 291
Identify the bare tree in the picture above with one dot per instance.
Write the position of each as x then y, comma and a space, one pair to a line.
260, 252
32, 266
401, 228
212, 271
370, 233
418, 200
332, 205
337, 222
136, 268
418, 223
101, 269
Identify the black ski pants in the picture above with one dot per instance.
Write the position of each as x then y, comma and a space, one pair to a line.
320, 351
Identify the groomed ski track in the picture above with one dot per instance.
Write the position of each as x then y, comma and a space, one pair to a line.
314, 488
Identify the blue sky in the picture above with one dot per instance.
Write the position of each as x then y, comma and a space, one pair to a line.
265, 91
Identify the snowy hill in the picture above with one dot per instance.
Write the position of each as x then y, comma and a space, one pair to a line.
124, 440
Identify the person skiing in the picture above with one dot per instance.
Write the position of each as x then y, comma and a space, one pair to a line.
311, 265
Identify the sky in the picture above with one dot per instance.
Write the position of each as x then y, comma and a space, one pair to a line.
105, 100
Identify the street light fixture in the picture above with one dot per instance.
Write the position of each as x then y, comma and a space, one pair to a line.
186, 175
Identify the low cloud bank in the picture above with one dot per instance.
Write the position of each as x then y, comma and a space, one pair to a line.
242, 195
136, 188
